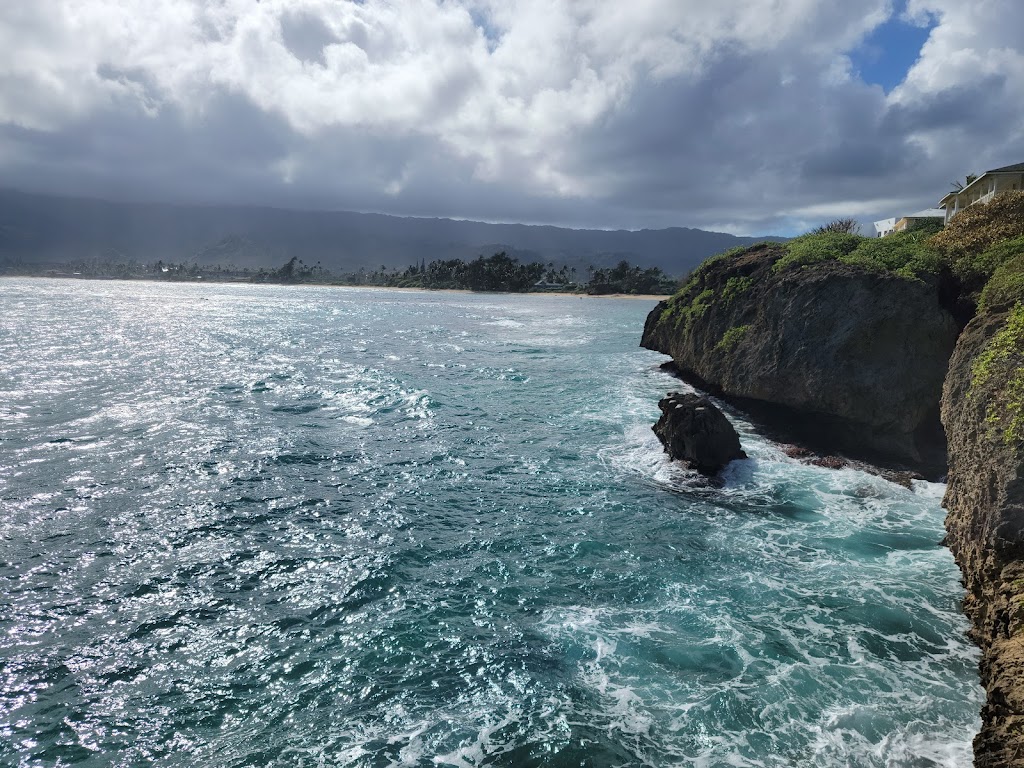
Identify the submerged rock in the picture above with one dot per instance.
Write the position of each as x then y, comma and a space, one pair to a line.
694, 430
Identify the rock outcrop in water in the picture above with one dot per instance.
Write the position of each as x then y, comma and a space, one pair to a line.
856, 356
694, 430
983, 412
864, 353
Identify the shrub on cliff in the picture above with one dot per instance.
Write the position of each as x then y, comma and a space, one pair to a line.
732, 337
999, 372
849, 226
1006, 286
976, 269
977, 228
816, 247
907, 253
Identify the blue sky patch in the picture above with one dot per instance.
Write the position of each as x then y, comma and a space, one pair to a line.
888, 53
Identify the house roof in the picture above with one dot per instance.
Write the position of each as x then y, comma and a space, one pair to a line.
927, 213
1016, 168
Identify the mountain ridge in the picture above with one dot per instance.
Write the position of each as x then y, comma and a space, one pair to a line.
44, 229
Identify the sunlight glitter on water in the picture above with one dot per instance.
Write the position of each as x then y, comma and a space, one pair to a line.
248, 525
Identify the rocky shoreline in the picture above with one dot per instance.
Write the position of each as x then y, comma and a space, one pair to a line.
854, 360
899, 370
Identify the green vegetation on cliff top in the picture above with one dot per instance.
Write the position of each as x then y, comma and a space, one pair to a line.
998, 374
979, 255
1006, 286
982, 247
978, 227
908, 254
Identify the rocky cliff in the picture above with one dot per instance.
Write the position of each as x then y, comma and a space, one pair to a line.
983, 413
857, 354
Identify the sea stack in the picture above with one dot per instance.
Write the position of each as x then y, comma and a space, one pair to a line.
694, 430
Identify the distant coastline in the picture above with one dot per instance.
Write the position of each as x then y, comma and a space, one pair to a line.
499, 273
235, 281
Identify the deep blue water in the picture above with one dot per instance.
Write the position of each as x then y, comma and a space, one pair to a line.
250, 525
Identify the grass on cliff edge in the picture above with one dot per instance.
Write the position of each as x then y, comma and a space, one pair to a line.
908, 254
999, 373
695, 298
983, 247
904, 253
1006, 286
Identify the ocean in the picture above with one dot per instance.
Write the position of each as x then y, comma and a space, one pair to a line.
310, 526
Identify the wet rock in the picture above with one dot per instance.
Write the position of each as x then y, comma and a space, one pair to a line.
694, 430
830, 462
805, 455
796, 451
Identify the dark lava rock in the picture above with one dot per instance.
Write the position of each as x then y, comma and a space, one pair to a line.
830, 462
805, 455
985, 524
797, 451
858, 355
694, 430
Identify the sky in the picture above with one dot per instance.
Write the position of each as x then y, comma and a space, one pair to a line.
744, 116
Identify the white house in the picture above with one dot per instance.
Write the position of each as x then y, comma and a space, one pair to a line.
885, 227
982, 189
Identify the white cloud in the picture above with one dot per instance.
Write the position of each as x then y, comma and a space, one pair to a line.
594, 112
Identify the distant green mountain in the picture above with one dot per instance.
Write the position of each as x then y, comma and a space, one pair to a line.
39, 229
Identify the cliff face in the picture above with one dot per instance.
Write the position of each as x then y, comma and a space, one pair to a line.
982, 413
861, 352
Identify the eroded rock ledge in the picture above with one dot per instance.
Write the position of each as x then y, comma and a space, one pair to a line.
860, 355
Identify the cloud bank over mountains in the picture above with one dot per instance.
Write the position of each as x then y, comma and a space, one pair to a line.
738, 115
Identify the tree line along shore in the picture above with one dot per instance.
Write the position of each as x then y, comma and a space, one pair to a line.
498, 273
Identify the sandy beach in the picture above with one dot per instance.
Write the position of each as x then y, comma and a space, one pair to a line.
556, 294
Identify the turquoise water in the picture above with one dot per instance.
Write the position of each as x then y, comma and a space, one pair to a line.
251, 525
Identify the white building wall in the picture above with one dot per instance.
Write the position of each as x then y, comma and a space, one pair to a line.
885, 227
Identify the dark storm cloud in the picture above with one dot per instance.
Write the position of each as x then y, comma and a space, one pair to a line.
745, 133
974, 106
867, 159
306, 36
222, 154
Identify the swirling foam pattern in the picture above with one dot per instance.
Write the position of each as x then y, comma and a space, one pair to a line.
252, 526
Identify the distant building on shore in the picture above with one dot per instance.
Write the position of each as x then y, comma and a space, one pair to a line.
911, 220
981, 189
885, 227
